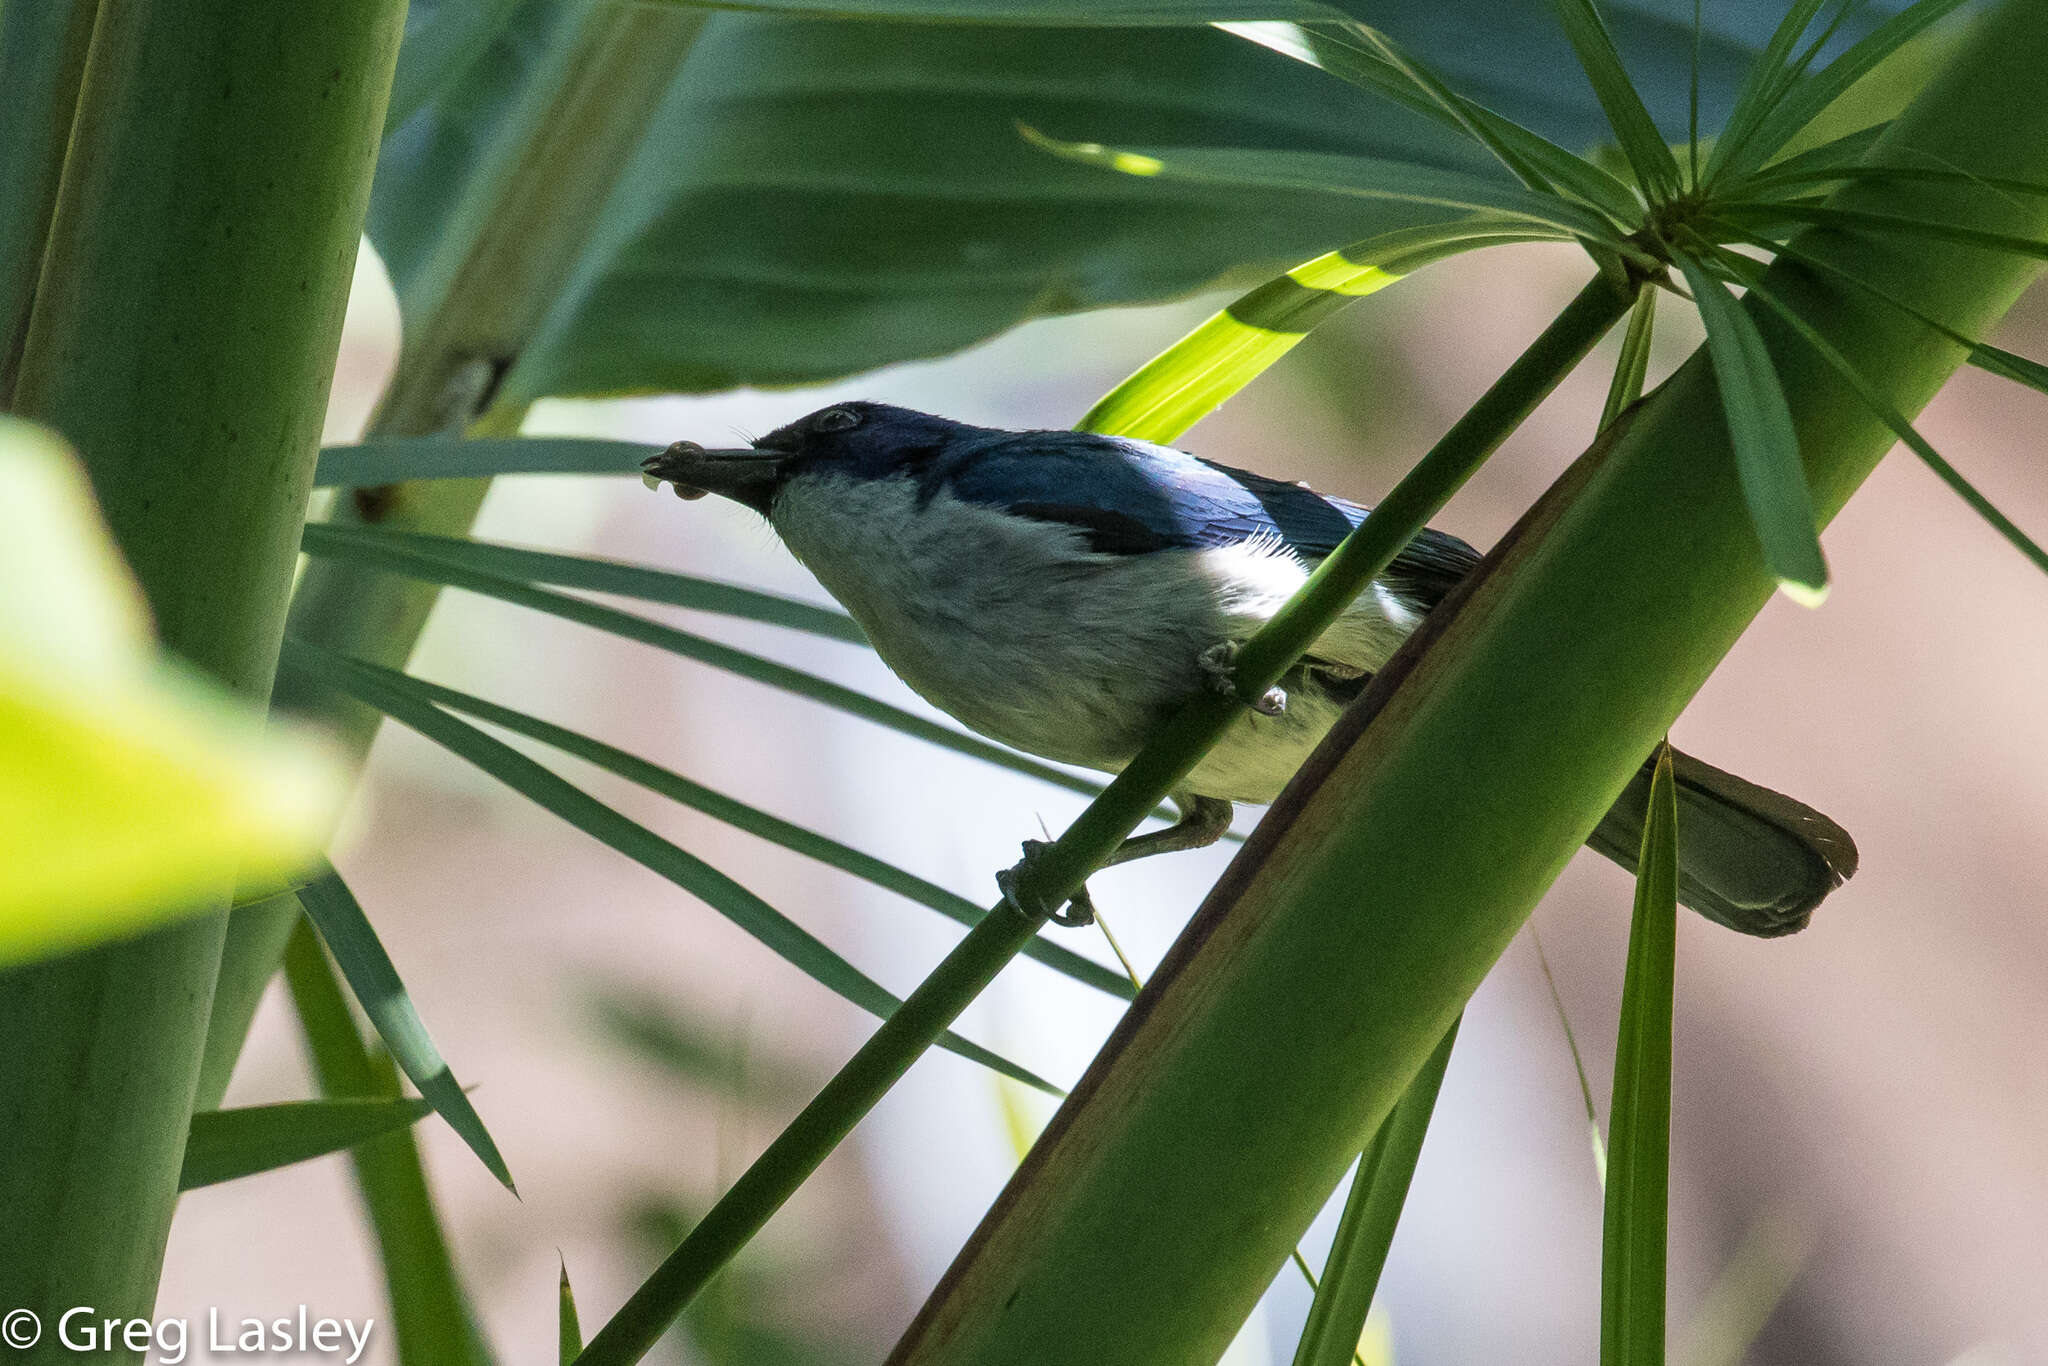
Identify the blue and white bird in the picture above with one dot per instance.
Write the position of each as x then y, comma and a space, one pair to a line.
1064, 593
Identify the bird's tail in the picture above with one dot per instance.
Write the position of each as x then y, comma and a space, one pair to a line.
1748, 858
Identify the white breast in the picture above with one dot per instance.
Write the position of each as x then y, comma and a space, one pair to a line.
1024, 634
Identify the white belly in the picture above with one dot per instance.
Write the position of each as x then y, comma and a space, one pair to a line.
1022, 633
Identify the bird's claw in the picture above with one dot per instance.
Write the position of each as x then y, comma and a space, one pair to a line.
1219, 669
1078, 911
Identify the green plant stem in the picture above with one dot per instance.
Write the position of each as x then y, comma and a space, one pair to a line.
184, 334
1324, 967
813, 1134
42, 59
1063, 865
530, 212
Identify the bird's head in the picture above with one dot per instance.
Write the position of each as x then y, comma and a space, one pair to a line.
852, 440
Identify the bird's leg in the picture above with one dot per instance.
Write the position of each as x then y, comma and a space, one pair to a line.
1218, 664
1078, 911
1202, 822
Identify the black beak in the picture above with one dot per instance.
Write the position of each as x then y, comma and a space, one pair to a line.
748, 476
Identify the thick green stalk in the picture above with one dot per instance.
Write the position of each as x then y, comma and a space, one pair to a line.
533, 208
1060, 867
42, 58
184, 333
1359, 919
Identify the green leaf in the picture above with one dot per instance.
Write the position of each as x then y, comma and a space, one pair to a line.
778, 226
1638, 1180
444, 40
391, 460
1571, 1043
437, 570
1649, 155
134, 790
770, 927
1634, 361
1193, 377
1326, 173
755, 822
1365, 1232
1764, 85
352, 940
1366, 58
2031, 373
1805, 102
225, 1144
603, 576
1056, 13
1829, 216
569, 1328
1889, 414
1765, 444
430, 1314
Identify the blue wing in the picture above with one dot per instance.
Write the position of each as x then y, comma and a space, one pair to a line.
1132, 498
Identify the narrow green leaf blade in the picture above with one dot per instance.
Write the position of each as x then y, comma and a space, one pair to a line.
1648, 154
395, 459
570, 1328
1634, 361
1366, 58
431, 1318
1032, 13
1806, 101
1828, 216
358, 952
1632, 1271
2031, 373
1888, 412
1429, 188
596, 575
1765, 443
225, 1144
1762, 85
775, 931
1197, 374
754, 821
1365, 1233
433, 569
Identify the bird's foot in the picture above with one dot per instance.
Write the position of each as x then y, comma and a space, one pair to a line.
1078, 911
1218, 664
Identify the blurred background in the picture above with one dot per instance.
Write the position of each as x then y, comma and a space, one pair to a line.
1860, 1128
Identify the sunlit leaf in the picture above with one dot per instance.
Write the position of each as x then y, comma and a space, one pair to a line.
1761, 434
1190, 379
1632, 1272
360, 955
131, 789
225, 1144
770, 927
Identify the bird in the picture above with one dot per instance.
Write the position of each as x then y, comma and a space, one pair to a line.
1065, 592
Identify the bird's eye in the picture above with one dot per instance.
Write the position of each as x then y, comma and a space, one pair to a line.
836, 420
